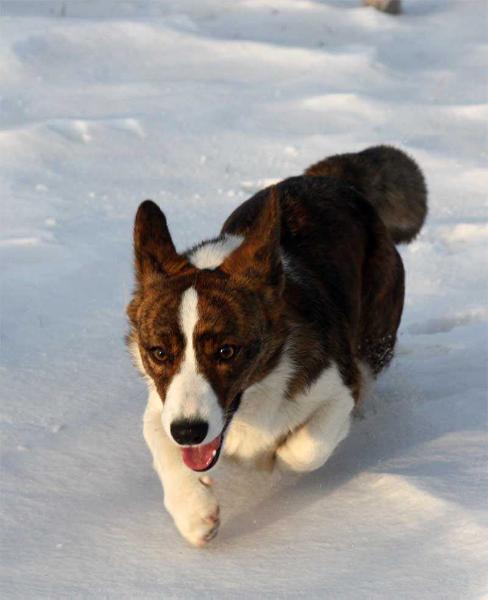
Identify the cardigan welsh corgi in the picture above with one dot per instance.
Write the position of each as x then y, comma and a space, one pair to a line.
258, 344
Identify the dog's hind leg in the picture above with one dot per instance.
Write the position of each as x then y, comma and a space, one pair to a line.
310, 446
187, 497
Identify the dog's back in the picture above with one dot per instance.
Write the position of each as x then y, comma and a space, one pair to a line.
345, 279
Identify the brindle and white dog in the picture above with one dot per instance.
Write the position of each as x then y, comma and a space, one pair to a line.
260, 343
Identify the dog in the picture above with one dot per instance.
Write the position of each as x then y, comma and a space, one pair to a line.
259, 344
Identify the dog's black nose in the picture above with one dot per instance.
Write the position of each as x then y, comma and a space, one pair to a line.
189, 433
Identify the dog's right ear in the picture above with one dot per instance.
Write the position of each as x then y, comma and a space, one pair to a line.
154, 251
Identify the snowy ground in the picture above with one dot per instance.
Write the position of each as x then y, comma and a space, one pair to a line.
197, 104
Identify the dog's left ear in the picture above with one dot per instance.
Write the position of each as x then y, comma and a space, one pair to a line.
257, 260
154, 251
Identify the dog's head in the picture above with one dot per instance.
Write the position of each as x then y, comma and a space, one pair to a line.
206, 324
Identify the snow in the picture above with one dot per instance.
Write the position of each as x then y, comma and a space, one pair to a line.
197, 105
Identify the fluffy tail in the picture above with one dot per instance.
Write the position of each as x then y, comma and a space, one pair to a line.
389, 179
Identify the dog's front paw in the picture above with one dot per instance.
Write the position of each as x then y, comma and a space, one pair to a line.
301, 453
195, 511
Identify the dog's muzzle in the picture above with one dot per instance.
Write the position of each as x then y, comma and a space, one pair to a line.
204, 457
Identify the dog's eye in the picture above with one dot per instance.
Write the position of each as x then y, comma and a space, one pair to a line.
226, 352
159, 354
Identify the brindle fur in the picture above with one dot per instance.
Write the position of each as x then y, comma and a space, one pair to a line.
389, 179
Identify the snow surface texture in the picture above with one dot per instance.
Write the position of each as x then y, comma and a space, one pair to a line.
197, 105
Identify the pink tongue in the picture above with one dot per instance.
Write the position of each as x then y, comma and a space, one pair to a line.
200, 458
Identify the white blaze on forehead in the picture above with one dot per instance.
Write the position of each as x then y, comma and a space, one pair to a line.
189, 394
212, 254
188, 321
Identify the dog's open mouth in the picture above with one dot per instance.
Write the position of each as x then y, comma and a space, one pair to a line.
204, 457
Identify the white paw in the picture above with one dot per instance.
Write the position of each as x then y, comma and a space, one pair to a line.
195, 511
302, 453
311, 445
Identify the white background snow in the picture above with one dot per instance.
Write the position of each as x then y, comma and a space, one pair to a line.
197, 104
